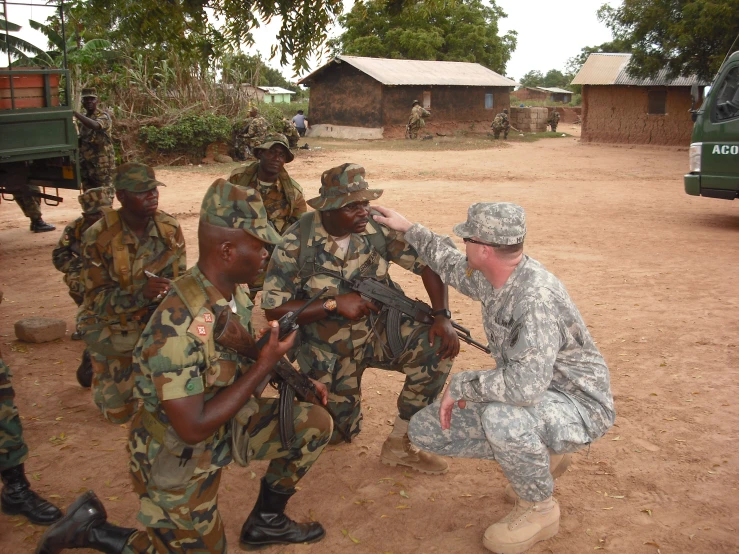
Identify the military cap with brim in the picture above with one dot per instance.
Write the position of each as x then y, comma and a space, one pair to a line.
276, 138
135, 177
341, 186
94, 200
233, 207
501, 223
90, 92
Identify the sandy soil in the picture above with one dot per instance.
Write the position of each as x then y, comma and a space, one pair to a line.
652, 270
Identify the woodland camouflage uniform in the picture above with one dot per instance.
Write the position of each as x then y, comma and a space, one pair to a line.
13, 449
416, 121
554, 119
256, 132
291, 132
97, 155
115, 310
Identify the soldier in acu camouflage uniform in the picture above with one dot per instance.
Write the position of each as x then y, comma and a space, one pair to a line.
550, 393
191, 387
119, 296
97, 155
339, 340
17, 498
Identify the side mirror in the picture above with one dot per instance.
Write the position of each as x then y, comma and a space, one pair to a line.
693, 115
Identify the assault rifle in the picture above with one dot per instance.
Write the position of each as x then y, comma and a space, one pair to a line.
397, 303
230, 333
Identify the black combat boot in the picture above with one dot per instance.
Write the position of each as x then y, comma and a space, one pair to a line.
17, 498
40, 226
267, 523
84, 526
84, 372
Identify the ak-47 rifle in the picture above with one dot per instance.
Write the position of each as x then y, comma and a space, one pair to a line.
231, 334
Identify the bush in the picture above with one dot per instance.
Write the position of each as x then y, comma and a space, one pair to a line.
191, 133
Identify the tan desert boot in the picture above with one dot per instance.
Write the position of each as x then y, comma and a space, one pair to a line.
397, 450
558, 464
527, 524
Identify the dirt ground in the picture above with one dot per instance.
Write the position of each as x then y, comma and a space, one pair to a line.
652, 270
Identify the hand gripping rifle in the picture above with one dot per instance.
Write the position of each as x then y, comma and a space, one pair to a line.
231, 334
398, 303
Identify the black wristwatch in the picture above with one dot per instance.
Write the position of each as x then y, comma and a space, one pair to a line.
445, 312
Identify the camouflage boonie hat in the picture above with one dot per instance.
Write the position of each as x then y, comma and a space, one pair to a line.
135, 177
502, 223
276, 138
94, 200
89, 92
415, 102
341, 186
227, 205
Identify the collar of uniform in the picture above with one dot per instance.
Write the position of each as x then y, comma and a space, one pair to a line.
130, 238
215, 296
513, 278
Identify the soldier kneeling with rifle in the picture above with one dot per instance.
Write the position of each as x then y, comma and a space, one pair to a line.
200, 407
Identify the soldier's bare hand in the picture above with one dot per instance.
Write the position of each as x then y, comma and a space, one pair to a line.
353, 306
275, 348
322, 391
442, 328
392, 219
156, 287
445, 409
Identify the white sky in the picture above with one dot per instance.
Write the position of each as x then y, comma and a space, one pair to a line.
541, 44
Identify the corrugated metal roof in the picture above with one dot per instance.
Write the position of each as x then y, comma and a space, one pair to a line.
611, 69
276, 90
421, 72
555, 89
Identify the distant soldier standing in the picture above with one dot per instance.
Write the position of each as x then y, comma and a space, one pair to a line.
554, 119
257, 130
501, 123
97, 156
416, 121
118, 251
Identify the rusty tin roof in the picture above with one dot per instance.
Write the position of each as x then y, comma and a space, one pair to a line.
611, 69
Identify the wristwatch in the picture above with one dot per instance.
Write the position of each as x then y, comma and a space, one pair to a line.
445, 312
330, 305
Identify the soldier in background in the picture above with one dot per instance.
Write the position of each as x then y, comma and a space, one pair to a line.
257, 130
97, 155
129, 258
31, 207
416, 121
301, 123
553, 119
291, 132
501, 123
17, 498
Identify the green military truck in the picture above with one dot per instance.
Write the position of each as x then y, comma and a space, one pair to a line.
714, 149
38, 139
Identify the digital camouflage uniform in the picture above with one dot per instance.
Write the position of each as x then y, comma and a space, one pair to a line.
551, 387
416, 121
335, 350
176, 358
97, 155
501, 123
115, 310
66, 256
554, 120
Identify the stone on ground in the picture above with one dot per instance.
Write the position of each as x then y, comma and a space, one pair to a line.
40, 329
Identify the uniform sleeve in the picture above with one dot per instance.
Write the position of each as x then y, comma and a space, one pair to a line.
169, 356
442, 256
300, 207
106, 123
401, 252
281, 283
63, 256
529, 355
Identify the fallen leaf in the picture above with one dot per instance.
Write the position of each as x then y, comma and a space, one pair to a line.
468, 525
617, 438
404, 494
402, 507
36, 476
465, 496
383, 516
652, 543
113, 498
669, 418
647, 511
347, 534
611, 508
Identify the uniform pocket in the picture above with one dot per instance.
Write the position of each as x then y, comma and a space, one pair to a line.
176, 461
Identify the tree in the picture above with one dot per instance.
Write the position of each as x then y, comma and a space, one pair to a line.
532, 78
17, 47
685, 36
464, 30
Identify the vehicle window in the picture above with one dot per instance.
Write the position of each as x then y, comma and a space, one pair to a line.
727, 99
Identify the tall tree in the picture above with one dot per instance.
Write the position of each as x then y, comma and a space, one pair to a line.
532, 78
684, 36
463, 30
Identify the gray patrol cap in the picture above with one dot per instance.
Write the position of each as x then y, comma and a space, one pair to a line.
502, 223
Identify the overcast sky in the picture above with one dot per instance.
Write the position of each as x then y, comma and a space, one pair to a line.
542, 44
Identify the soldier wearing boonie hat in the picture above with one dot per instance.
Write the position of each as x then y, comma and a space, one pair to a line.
340, 338
97, 155
416, 120
182, 438
549, 394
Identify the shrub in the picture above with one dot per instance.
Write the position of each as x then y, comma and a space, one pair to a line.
190, 133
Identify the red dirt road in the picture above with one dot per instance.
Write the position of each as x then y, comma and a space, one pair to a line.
652, 270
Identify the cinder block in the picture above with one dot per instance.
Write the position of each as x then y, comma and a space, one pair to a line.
40, 329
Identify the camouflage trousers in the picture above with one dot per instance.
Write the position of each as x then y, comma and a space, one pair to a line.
498, 130
74, 286
425, 374
112, 385
30, 205
518, 437
413, 129
186, 519
96, 169
13, 451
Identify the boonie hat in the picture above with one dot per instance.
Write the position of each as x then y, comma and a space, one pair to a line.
341, 186
502, 223
94, 200
234, 207
90, 92
276, 138
135, 177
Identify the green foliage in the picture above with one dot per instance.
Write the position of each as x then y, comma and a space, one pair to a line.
191, 133
464, 30
553, 78
685, 36
532, 79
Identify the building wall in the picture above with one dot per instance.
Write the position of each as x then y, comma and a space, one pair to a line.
343, 95
619, 114
530, 94
448, 104
529, 120
276, 98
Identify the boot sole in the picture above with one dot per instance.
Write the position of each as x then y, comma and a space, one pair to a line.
519, 547
414, 468
70, 511
253, 547
12, 512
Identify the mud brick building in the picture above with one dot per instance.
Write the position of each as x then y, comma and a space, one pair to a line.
617, 107
542, 94
356, 97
